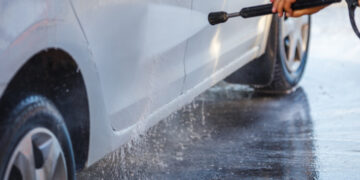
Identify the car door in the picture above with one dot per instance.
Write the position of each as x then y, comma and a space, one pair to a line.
138, 47
215, 47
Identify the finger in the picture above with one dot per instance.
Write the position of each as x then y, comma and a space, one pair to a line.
275, 3
308, 11
287, 7
280, 8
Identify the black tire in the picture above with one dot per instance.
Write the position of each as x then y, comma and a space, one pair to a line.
34, 112
284, 80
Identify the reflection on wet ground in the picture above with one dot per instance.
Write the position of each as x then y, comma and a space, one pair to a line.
230, 132
227, 132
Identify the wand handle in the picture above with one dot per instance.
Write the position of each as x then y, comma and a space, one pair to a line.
298, 5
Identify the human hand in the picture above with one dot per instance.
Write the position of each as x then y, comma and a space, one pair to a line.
279, 6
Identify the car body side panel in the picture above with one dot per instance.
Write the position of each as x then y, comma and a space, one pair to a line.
216, 46
138, 47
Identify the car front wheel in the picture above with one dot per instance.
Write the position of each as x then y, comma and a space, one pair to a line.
35, 143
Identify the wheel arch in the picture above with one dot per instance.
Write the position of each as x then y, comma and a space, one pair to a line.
55, 74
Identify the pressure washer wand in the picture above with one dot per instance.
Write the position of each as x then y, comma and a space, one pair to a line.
221, 16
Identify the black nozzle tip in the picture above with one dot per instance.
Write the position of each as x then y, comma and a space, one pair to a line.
217, 17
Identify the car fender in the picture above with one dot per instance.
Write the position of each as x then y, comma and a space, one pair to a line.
53, 24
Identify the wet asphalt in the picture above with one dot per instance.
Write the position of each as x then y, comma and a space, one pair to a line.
232, 132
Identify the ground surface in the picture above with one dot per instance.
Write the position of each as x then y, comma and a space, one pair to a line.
230, 132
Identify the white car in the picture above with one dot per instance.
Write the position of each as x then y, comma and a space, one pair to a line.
79, 78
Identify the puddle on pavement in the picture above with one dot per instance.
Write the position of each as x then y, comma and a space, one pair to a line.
227, 132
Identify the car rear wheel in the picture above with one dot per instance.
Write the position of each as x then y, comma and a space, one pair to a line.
35, 143
292, 50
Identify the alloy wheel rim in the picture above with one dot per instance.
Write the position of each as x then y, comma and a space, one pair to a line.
38, 155
295, 33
